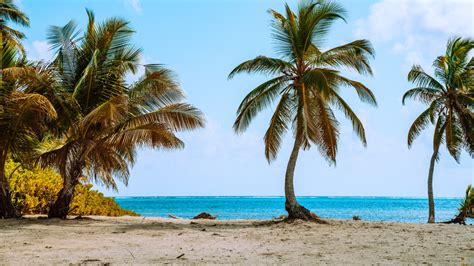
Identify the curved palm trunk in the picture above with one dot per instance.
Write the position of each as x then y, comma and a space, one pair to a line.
431, 204
7, 210
294, 209
60, 208
459, 219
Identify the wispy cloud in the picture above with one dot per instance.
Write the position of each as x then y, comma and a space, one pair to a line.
416, 29
38, 50
134, 4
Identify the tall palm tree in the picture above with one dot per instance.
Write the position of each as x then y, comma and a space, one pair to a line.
16, 107
450, 96
103, 118
307, 83
10, 12
23, 119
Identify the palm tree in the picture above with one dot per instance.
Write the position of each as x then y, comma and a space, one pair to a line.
466, 208
21, 114
307, 83
450, 96
10, 12
104, 119
23, 119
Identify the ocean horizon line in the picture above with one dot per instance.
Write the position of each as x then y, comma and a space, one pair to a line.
262, 197
394, 209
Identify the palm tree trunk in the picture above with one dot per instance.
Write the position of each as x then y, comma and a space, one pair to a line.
60, 208
294, 209
431, 204
1, 55
7, 210
459, 219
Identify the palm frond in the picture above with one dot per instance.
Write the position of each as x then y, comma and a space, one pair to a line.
157, 88
327, 125
178, 117
364, 93
453, 136
281, 118
354, 55
105, 169
23, 118
258, 99
320, 80
420, 123
322, 18
107, 115
262, 64
284, 33
357, 125
421, 79
10, 11
154, 135
424, 94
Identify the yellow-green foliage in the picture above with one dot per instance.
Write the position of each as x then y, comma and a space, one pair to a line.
34, 190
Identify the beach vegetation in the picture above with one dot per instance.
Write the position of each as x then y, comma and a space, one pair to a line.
35, 190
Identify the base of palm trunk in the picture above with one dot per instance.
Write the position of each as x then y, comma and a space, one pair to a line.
298, 212
7, 210
60, 208
58, 211
459, 219
431, 219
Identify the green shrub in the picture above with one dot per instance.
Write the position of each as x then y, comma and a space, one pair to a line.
33, 191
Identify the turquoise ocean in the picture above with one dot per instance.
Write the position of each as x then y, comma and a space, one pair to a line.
391, 209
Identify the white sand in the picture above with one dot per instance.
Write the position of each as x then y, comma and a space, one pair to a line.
151, 240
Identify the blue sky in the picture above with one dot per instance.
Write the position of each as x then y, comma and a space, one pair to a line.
203, 40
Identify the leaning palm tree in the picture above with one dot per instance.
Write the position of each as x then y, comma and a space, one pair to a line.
307, 83
10, 12
466, 208
450, 96
23, 118
103, 118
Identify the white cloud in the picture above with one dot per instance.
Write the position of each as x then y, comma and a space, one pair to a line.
39, 50
417, 29
134, 4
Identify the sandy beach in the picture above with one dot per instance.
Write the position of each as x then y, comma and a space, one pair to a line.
138, 240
